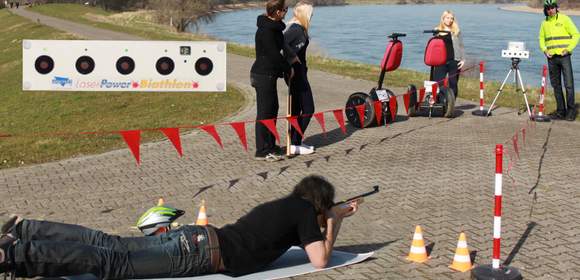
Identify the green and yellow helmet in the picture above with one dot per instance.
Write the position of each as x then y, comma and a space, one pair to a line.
550, 3
158, 217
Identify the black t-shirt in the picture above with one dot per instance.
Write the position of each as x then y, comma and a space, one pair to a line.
449, 46
266, 232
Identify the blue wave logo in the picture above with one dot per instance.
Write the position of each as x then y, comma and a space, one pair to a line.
62, 82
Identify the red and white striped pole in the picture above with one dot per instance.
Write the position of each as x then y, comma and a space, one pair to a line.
482, 112
481, 69
497, 211
495, 270
540, 117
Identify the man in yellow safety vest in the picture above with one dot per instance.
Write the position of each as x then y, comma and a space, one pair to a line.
558, 37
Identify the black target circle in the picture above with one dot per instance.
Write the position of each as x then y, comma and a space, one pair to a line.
165, 65
44, 64
125, 65
85, 65
203, 66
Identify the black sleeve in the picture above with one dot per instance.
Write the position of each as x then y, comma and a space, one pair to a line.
289, 53
308, 228
273, 51
295, 38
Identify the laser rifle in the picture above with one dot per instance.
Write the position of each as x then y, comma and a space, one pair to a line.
375, 190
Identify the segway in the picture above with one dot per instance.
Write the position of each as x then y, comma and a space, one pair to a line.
390, 62
442, 100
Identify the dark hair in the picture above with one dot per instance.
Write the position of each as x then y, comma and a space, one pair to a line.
317, 190
275, 5
546, 8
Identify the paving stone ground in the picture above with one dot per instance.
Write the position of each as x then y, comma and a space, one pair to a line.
437, 173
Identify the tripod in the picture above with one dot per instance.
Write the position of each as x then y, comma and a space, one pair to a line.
518, 81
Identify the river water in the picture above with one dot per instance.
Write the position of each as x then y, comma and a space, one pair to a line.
358, 33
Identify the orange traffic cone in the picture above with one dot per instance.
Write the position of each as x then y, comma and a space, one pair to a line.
461, 260
418, 253
202, 215
161, 202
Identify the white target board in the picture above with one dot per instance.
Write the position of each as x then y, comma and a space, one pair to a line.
160, 66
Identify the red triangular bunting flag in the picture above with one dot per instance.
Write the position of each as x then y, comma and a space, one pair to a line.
407, 100
294, 122
515, 143
210, 129
434, 92
393, 107
173, 136
271, 125
340, 119
240, 128
421, 96
360, 109
446, 82
133, 138
378, 110
320, 118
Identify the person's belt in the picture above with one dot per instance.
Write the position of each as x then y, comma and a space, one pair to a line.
214, 249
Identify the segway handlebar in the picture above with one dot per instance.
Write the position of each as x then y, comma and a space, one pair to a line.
436, 31
375, 190
396, 35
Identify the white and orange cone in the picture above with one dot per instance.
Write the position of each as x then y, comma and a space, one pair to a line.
202, 215
418, 253
461, 260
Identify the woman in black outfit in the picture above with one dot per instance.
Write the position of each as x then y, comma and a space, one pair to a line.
455, 52
296, 37
270, 65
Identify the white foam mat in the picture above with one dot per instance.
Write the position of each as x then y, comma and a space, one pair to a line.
293, 263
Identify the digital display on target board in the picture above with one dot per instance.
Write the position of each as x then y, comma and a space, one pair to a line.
88, 65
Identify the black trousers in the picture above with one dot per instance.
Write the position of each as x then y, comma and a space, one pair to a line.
54, 249
267, 108
562, 66
451, 69
302, 106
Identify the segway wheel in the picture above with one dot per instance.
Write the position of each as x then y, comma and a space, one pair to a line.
412, 89
449, 107
355, 99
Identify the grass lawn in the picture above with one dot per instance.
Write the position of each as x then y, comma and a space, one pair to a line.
33, 118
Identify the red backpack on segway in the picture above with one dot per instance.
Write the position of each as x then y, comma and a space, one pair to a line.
444, 99
390, 62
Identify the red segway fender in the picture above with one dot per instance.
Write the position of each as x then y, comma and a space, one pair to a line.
393, 56
435, 52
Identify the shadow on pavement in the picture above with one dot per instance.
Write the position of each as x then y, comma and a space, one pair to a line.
365, 248
520, 243
331, 137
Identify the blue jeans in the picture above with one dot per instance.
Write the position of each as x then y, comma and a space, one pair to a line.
53, 249
561, 66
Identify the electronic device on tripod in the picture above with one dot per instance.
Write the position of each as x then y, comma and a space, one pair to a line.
516, 52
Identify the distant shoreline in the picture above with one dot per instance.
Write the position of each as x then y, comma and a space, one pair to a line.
526, 9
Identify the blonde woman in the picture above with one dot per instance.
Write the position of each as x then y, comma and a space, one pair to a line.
455, 51
296, 36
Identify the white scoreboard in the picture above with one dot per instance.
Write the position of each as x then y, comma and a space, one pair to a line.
160, 66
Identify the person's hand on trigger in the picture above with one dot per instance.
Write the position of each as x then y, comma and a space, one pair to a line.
346, 209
